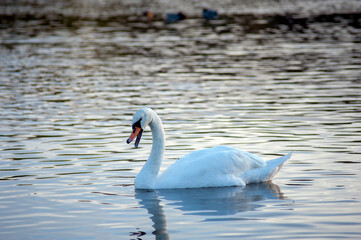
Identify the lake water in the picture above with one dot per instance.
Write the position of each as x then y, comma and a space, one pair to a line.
265, 84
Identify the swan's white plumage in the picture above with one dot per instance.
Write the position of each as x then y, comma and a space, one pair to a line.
213, 167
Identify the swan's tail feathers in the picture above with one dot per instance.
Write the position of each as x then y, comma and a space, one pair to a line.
278, 162
267, 172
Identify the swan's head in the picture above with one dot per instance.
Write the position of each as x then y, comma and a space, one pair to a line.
141, 120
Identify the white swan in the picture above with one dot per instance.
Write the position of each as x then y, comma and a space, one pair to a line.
214, 167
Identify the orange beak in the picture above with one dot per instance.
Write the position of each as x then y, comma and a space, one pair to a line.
137, 133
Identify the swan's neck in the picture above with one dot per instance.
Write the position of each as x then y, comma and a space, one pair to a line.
147, 176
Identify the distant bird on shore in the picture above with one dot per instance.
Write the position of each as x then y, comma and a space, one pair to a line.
174, 17
149, 15
209, 14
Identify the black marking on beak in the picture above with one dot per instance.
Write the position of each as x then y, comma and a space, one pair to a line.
137, 124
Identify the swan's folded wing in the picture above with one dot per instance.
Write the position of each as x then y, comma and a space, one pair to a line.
219, 166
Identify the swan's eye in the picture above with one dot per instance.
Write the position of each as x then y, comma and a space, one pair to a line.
136, 124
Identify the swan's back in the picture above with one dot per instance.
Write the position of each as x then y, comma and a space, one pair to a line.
222, 158
212, 167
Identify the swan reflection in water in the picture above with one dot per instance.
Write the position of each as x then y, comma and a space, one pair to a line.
223, 201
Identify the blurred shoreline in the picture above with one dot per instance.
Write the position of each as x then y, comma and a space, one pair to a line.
292, 15
134, 9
